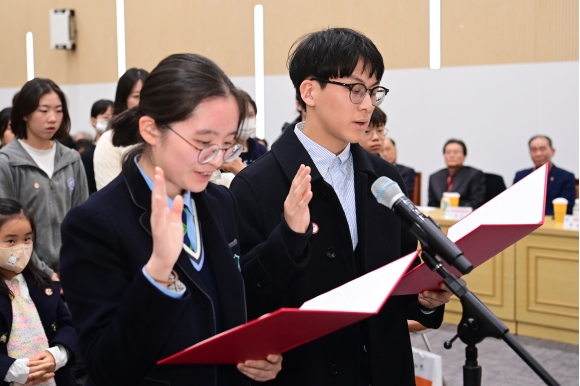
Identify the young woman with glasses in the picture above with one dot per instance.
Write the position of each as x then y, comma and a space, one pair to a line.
149, 263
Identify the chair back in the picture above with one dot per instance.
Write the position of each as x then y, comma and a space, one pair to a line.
494, 185
416, 196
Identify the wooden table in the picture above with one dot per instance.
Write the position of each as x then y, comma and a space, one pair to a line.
532, 286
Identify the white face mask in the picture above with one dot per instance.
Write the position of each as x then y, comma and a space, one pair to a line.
15, 258
101, 125
248, 129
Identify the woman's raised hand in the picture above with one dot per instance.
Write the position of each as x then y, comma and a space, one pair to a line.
296, 211
166, 229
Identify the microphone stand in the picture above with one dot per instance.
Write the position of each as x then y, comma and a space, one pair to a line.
477, 323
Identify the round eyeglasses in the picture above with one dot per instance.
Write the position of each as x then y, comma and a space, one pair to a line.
211, 150
358, 91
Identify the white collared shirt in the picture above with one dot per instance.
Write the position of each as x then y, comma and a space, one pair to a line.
338, 171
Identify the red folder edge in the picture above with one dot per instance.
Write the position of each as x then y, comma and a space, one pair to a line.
477, 251
272, 333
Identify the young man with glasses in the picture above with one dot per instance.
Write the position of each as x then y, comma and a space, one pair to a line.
374, 137
309, 222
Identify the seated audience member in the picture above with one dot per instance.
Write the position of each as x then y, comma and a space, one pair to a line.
108, 158
561, 183
6, 134
465, 180
247, 137
389, 153
372, 140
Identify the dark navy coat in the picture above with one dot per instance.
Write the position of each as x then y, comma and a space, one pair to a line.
285, 269
55, 320
561, 183
125, 323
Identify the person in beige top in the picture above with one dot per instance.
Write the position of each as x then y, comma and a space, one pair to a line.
108, 158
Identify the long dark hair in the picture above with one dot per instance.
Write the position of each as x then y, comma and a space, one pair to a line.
124, 87
170, 93
9, 210
26, 102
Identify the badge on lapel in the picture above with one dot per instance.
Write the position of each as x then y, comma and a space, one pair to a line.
3, 338
48, 291
315, 228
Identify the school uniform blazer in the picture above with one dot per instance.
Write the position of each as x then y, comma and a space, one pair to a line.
285, 269
55, 320
125, 323
561, 183
468, 181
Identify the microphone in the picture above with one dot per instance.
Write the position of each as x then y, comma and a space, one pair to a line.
389, 194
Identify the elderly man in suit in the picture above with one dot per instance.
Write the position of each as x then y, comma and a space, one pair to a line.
561, 183
465, 180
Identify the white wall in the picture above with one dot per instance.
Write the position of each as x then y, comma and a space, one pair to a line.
494, 109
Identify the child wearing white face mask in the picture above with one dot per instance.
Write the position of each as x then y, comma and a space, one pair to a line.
36, 336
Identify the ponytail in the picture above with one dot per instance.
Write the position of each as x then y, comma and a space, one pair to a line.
125, 127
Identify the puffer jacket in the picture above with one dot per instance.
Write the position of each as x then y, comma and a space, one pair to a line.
47, 199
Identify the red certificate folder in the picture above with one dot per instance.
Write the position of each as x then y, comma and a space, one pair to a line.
490, 229
287, 328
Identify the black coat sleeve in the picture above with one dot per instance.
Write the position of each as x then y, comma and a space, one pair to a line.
271, 254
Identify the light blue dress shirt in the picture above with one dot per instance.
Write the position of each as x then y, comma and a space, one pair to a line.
338, 171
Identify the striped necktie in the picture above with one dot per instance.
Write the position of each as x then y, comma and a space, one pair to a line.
192, 244
449, 182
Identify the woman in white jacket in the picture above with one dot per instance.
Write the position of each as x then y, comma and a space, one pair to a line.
108, 158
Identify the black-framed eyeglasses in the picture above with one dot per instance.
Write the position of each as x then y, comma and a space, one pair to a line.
358, 91
211, 150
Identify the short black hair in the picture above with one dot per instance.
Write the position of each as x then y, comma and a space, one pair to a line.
125, 85
83, 143
68, 141
378, 118
332, 53
100, 107
26, 102
540, 136
457, 141
392, 141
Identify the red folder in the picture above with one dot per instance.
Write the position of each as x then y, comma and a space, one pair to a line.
287, 328
490, 229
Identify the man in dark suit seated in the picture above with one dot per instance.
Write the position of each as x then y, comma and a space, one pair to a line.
465, 180
389, 153
561, 183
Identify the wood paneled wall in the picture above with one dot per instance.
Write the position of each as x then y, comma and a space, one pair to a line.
475, 32
479, 32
